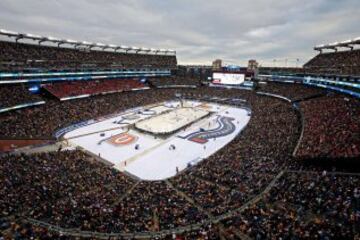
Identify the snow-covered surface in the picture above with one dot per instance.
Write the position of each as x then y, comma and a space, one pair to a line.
158, 158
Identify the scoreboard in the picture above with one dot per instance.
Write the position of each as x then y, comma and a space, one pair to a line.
228, 78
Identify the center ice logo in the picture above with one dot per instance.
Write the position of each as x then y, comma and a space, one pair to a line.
122, 139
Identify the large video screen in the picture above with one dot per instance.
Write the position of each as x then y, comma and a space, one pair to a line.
228, 78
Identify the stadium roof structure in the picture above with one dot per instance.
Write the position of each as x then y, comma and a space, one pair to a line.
85, 44
335, 45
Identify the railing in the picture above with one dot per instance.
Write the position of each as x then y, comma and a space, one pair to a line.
88, 78
16, 107
51, 74
274, 96
297, 108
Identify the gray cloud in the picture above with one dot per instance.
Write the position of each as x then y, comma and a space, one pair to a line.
200, 30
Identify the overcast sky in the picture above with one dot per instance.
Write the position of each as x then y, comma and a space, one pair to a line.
199, 30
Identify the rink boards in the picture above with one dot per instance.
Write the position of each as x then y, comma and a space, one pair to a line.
171, 120
151, 157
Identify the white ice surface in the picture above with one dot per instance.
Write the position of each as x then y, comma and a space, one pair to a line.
171, 121
154, 160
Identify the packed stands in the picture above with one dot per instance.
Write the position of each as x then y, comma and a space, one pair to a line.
339, 63
43, 120
331, 123
336, 63
22, 56
281, 70
335, 71
331, 127
17, 94
291, 91
25, 230
77, 88
304, 205
174, 81
136, 211
203, 72
253, 187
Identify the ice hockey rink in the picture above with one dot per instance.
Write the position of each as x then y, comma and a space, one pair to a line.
156, 142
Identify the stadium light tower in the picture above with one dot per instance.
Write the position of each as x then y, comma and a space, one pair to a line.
145, 50
68, 41
160, 51
49, 39
170, 51
61, 42
333, 46
32, 36
98, 45
126, 48
8, 33
19, 37
346, 44
83, 43
136, 49
319, 47
122, 47
111, 46
153, 50
356, 41
117, 48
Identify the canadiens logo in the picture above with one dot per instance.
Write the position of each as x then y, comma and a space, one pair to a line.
122, 139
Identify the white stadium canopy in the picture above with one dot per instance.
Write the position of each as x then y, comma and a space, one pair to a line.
335, 45
84, 44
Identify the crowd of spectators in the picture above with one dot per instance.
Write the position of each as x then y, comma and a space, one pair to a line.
175, 81
240, 171
281, 70
20, 56
304, 205
31, 185
42, 121
16, 94
331, 127
71, 190
76, 88
340, 63
329, 63
23, 230
289, 90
